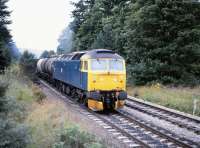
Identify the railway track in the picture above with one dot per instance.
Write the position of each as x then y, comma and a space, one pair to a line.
130, 131
183, 121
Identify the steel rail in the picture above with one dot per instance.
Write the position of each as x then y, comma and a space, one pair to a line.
160, 131
164, 114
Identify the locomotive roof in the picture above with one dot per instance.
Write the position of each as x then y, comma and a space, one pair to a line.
90, 54
100, 53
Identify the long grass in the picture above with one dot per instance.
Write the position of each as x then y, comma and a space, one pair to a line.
51, 127
180, 98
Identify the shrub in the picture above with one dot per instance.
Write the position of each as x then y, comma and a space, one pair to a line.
12, 135
3, 87
74, 138
3, 99
38, 94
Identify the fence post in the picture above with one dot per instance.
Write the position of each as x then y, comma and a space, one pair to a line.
195, 101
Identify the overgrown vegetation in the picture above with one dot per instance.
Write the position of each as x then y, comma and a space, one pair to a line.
182, 99
51, 125
17, 93
159, 39
13, 133
74, 138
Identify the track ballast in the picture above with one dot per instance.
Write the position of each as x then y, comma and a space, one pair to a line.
130, 131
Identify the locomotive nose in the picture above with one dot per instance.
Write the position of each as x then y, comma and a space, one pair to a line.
108, 82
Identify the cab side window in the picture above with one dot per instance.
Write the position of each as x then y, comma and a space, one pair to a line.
85, 65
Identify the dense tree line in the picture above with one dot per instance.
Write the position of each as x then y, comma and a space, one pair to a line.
160, 39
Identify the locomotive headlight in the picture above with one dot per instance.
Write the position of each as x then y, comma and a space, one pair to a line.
101, 79
121, 77
94, 79
115, 79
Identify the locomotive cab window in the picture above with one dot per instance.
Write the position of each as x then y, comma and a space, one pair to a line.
84, 65
99, 65
116, 65
107, 65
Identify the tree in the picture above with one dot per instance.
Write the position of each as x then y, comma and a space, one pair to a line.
65, 41
47, 54
14, 51
162, 38
5, 36
5, 56
28, 63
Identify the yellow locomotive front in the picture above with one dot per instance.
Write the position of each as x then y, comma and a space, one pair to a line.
106, 82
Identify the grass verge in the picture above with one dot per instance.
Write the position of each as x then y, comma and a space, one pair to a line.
183, 99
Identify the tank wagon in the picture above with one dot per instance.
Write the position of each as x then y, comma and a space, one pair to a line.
96, 77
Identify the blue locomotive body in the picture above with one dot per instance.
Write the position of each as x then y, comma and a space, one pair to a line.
97, 77
69, 73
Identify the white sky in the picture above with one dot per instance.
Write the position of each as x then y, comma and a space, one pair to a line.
37, 24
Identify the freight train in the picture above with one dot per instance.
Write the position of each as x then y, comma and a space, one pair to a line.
97, 78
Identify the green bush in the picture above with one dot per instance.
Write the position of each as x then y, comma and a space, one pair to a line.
74, 138
38, 94
3, 87
13, 135
3, 99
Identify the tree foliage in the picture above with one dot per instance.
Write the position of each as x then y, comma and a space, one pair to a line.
159, 39
47, 54
65, 41
28, 63
5, 36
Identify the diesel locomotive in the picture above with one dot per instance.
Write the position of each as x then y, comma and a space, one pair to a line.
97, 78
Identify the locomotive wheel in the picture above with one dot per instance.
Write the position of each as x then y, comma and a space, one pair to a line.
85, 101
63, 88
68, 91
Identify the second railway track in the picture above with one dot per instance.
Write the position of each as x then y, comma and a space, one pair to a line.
131, 131
182, 121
